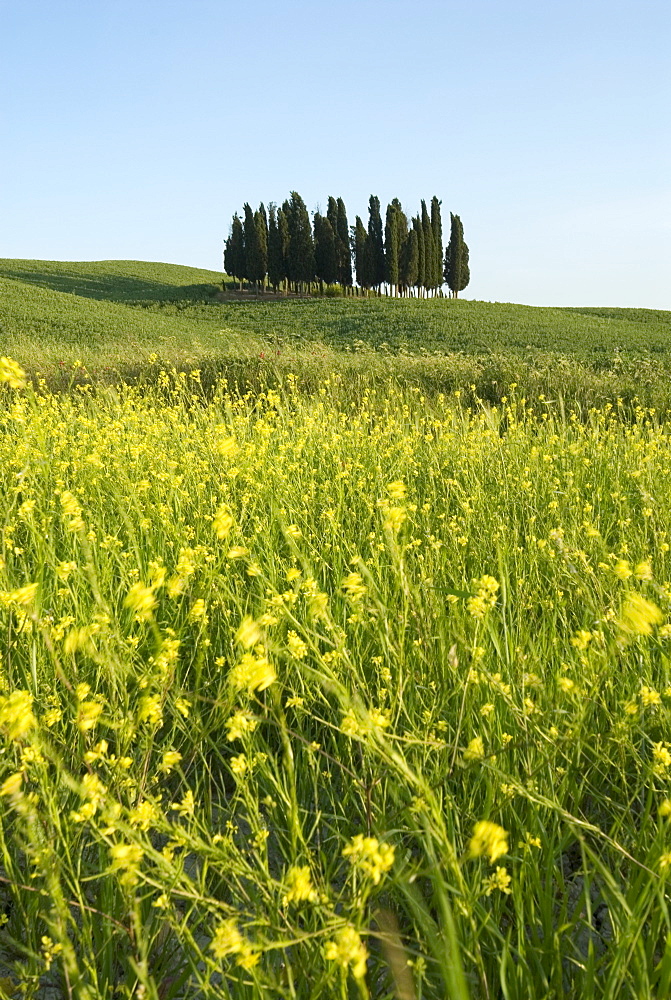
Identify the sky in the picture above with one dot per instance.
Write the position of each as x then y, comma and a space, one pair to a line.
134, 129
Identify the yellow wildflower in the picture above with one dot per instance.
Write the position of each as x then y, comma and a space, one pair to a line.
622, 569
23, 596
222, 522
299, 886
397, 490
488, 838
88, 713
643, 571
486, 590
661, 756
394, 518
499, 880
228, 940
186, 806
297, 648
650, 697
249, 633
253, 673
11, 786
169, 760
239, 724
368, 854
239, 764
12, 373
16, 714
126, 858
150, 710
475, 749
141, 600
348, 950
639, 615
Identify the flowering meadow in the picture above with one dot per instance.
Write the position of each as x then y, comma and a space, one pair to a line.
349, 693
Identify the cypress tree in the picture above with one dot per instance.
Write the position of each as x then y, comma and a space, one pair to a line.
343, 245
429, 250
410, 260
283, 231
395, 233
276, 268
326, 264
261, 226
360, 241
341, 249
332, 213
457, 271
391, 248
437, 229
301, 247
234, 254
375, 244
252, 249
417, 226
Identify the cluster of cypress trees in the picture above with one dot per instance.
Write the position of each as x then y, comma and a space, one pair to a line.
402, 257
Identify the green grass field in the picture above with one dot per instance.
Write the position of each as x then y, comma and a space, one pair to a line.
343, 681
112, 315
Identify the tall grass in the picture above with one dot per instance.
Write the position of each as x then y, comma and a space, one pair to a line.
357, 693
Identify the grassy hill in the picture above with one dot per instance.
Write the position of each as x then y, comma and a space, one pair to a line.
112, 315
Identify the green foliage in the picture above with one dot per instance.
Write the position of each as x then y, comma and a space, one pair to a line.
343, 246
326, 261
261, 226
588, 355
394, 236
235, 260
375, 244
256, 245
361, 255
421, 253
301, 258
437, 230
457, 271
429, 250
276, 262
410, 260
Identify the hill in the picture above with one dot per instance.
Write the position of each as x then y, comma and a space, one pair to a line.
112, 315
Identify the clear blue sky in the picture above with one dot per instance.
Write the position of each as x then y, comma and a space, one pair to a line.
135, 128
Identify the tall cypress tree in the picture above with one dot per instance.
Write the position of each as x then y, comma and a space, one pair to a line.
343, 245
276, 269
421, 262
375, 244
283, 231
261, 226
252, 250
410, 260
395, 233
234, 254
332, 213
360, 241
301, 247
429, 250
437, 229
340, 248
457, 270
326, 264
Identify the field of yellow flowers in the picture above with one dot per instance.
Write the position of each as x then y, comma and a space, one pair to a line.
332, 695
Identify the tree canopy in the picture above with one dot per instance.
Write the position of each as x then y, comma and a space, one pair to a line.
393, 254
